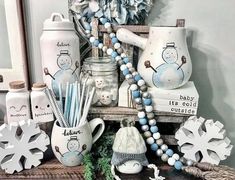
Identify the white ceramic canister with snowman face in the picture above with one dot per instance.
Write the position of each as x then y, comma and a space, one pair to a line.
40, 106
60, 53
17, 102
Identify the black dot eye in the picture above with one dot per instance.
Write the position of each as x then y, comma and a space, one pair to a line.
36, 107
48, 105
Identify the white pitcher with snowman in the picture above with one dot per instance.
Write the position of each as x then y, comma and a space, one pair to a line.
60, 53
165, 62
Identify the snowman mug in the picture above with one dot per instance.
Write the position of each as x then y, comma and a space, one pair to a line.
70, 144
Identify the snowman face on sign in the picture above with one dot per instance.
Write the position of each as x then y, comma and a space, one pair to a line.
73, 144
99, 83
64, 60
169, 53
106, 98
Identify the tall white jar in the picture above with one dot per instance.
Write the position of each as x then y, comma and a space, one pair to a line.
40, 106
60, 53
17, 102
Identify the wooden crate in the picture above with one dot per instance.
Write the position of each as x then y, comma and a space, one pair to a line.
167, 121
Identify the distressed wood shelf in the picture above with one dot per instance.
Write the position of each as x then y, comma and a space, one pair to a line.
52, 169
119, 113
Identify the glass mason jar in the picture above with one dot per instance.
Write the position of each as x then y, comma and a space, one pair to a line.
102, 74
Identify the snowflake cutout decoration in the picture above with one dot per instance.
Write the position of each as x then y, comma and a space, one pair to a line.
24, 150
203, 140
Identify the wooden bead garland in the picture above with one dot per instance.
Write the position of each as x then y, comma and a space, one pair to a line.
141, 96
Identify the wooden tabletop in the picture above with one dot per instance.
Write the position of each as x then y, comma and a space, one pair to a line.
54, 170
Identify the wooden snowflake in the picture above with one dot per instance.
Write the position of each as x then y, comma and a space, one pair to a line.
21, 146
203, 141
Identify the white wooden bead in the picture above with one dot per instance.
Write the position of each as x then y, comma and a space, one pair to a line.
149, 108
88, 31
109, 51
107, 25
133, 87
147, 134
104, 49
118, 58
159, 142
176, 156
189, 162
141, 82
123, 55
171, 161
123, 67
150, 140
117, 45
100, 46
164, 147
129, 65
164, 157
152, 122
92, 39
141, 114
156, 135
138, 100
145, 94
135, 73
145, 128
159, 152
111, 35
128, 76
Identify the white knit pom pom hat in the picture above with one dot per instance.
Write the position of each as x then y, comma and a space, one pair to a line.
129, 145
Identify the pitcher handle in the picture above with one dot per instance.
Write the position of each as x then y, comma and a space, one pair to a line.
129, 37
93, 124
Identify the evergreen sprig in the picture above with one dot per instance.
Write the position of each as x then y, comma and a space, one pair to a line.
99, 158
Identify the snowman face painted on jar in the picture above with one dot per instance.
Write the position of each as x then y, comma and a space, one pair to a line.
106, 98
73, 144
64, 60
41, 109
169, 53
99, 83
130, 167
18, 109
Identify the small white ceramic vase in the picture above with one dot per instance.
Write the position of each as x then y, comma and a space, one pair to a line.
70, 144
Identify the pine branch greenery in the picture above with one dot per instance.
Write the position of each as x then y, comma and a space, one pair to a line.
99, 159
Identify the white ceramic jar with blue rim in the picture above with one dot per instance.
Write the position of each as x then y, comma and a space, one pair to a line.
102, 74
60, 53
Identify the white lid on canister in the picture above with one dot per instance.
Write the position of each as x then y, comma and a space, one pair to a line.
57, 22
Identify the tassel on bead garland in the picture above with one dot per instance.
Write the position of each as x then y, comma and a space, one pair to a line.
208, 171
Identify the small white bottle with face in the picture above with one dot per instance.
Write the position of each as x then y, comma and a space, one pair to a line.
41, 108
17, 102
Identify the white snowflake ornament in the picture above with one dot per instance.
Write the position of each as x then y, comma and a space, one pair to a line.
23, 151
203, 141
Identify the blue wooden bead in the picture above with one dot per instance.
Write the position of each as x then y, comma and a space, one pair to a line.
169, 152
114, 40
137, 77
147, 102
154, 147
114, 54
136, 94
154, 129
126, 60
96, 43
125, 72
103, 20
143, 121
178, 165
